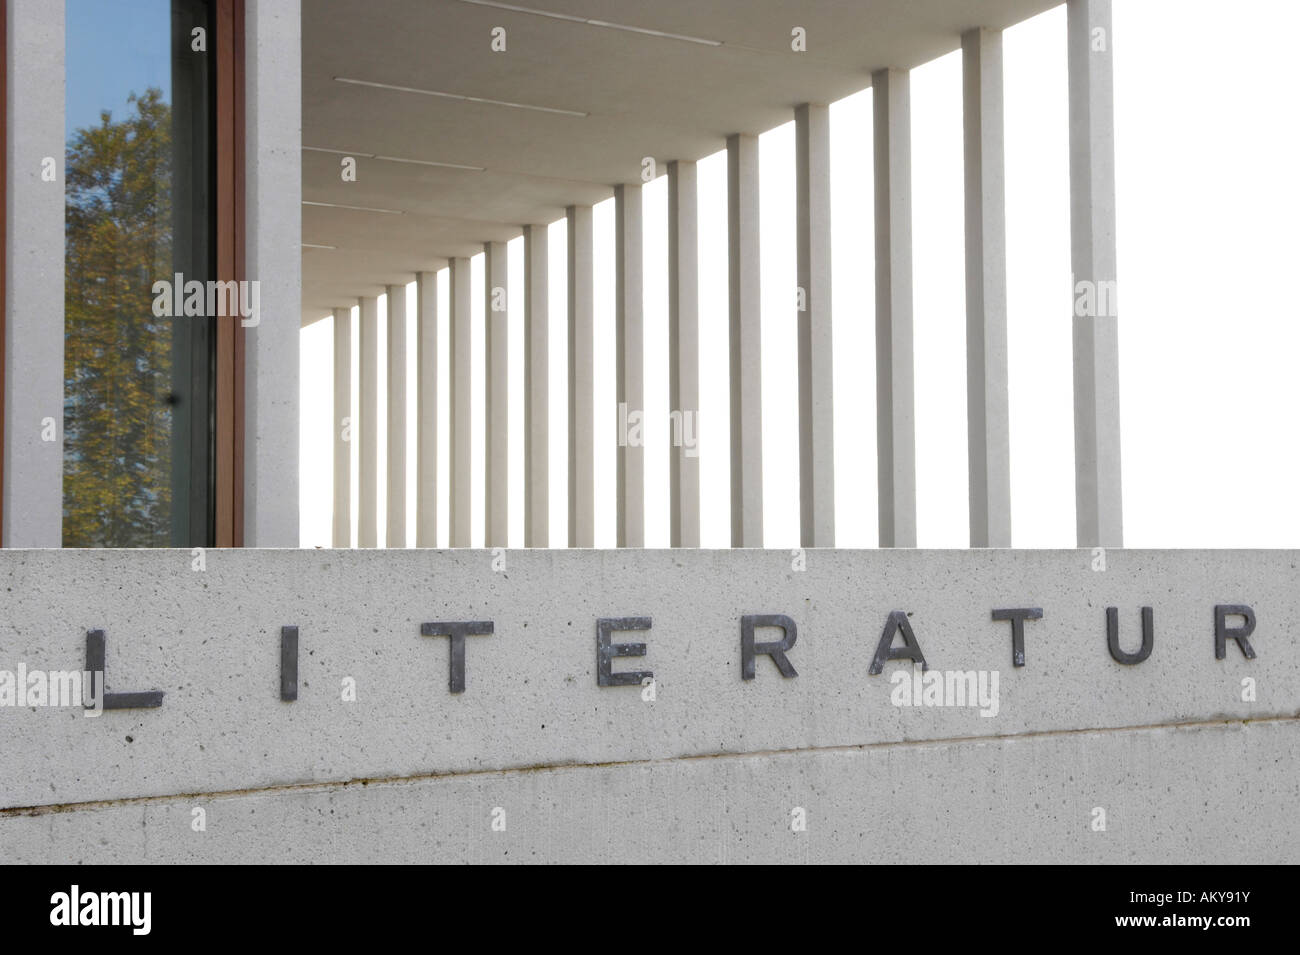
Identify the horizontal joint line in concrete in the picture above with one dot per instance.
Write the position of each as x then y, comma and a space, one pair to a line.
328, 785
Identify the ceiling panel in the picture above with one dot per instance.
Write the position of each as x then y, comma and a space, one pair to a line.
634, 94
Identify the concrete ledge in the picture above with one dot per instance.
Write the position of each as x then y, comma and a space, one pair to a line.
210, 639
1208, 794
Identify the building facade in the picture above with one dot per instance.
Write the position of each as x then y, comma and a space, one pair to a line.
190, 183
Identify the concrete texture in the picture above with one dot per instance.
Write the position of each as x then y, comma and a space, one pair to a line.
344, 427
987, 402
812, 150
1170, 795
745, 347
273, 258
537, 352
461, 396
684, 350
396, 418
895, 388
210, 640
368, 399
582, 380
496, 393
629, 373
426, 383
1097, 467
33, 380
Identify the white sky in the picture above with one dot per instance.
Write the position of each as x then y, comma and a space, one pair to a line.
1207, 139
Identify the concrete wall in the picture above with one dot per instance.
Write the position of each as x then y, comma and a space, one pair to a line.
710, 769
33, 398
273, 163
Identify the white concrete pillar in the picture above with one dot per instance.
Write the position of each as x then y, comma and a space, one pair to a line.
496, 349
426, 428
537, 344
987, 414
812, 137
461, 391
1097, 473
273, 259
684, 353
368, 469
33, 354
582, 451
745, 342
895, 399
629, 334
396, 416
343, 429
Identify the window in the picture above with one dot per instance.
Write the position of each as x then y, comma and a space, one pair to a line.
141, 218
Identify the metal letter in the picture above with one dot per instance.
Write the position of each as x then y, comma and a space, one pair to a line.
911, 650
95, 653
1221, 631
1112, 636
776, 650
606, 651
458, 631
1018, 616
288, 664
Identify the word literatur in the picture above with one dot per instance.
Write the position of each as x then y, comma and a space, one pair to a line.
897, 627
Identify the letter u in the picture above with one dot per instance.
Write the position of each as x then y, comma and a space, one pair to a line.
1112, 636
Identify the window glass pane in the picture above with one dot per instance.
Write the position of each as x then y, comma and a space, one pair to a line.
139, 222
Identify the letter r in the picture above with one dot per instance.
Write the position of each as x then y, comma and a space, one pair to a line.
776, 649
